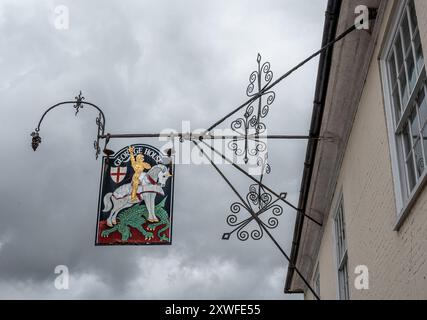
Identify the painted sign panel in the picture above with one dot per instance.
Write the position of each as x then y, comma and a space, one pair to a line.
136, 198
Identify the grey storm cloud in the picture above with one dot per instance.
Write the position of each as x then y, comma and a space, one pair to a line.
149, 65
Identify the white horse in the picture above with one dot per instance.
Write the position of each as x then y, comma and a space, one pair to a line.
152, 183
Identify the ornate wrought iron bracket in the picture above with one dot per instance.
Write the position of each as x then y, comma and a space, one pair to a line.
259, 200
249, 127
78, 104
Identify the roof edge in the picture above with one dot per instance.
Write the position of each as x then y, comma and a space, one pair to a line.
329, 33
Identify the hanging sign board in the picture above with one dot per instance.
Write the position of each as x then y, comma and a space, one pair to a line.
136, 198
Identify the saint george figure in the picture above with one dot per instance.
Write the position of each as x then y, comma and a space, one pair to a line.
138, 166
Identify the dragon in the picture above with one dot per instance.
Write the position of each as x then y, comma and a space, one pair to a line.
136, 217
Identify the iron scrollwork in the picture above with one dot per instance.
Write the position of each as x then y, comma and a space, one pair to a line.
258, 202
251, 125
100, 122
249, 128
78, 105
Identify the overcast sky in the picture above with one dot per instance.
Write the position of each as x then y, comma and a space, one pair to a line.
149, 65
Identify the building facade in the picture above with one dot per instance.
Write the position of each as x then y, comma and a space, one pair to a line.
366, 182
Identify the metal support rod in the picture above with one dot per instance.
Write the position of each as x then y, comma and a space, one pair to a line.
258, 220
299, 211
72, 102
78, 104
191, 136
287, 74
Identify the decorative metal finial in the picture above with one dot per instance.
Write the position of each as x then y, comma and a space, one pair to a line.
79, 100
36, 139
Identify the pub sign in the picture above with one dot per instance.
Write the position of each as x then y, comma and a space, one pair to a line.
136, 197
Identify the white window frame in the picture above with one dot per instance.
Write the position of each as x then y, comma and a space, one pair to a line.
404, 199
341, 251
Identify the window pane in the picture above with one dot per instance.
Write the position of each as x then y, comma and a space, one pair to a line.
340, 233
347, 294
412, 74
396, 105
393, 73
340, 236
419, 158
407, 55
406, 34
418, 153
343, 282
340, 283
404, 93
398, 52
413, 15
411, 173
343, 228
407, 141
419, 53
422, 103
415, 128
425, 143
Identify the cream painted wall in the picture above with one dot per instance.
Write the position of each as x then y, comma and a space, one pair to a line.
397, 261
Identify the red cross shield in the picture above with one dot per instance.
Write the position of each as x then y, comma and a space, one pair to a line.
118, 173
